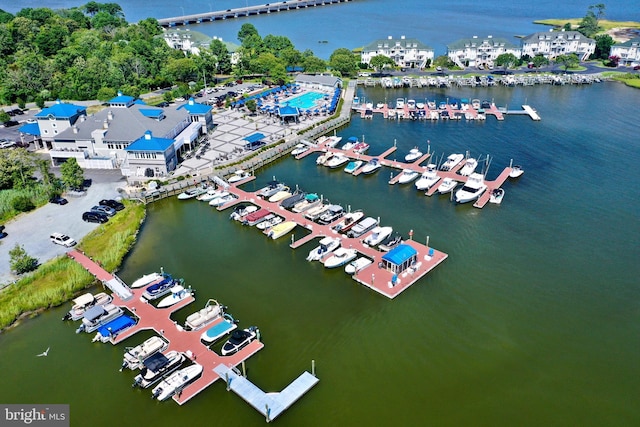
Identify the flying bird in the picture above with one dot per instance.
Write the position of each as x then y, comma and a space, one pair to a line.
44, 353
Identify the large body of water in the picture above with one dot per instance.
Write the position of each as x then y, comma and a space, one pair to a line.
533, 319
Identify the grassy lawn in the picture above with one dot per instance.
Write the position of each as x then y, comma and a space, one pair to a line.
604, 23
58, 280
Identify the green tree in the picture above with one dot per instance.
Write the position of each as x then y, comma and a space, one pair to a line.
540, 61
567, 26
106, 93
313, 64
4, 116
20, 261
379, 62
568, 61
603, 46
72, 174
506, 60
343, 61
277, 44
220, 51
91, 8
16, 168
247, 30
251, 105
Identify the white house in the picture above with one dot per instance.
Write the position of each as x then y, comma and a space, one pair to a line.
554, 43
480, 52
628, 52
406, 53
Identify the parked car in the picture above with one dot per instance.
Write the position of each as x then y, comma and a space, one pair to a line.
5, 143
58, 200
114, 204
103, 209
3, 234
62, 239
97, 217
11, 123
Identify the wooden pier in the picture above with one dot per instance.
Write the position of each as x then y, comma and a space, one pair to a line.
426, 113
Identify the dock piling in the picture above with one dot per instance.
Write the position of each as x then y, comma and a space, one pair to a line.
313, 367
244, 370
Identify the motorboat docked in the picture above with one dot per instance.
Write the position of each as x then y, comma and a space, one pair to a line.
428, 178
176, 382
472, 189
310, 200
177, 294
348, 221
85, 302
281, 229
271, 188
496, 196
269, 221
239, 339
448, 184
241, 211
390, 242
329, 141
157, 366
451, 162
351, 142
222, 200
256, 217
325, 246
299, 149
357, 264
213, 201
378, 234
333, 213
475, 104
414, 154
219, 329
362, 227
112, 328
134, 356
210, 195
400, 103
516, 171
315, 212
159, 289
212, 310
371, 166
469, 167
411, 104
340, 256
324, 157
360, 147
191, 193
280, 195
290, 201
353, 166
238, 175
407, 176
336, 161
146, 280
97, 316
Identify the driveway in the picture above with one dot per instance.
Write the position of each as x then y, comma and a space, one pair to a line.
32, 230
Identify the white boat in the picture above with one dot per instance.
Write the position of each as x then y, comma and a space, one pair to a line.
299, 149
411, 104
238, 175
219, 329
214, 201
315, 212
451, 162
280, 195
191, 193
362, 227
400, 103
269, 221
222, 200
240, 212
325, 246
407, 176
324, 157
351, 142
371, 166
134, 356
414, 154
516, 171
156, 367
378, 234
85, 302
336, 161
360, 147
448, 184
333, 213
341, 256
210, 195
420, 105
472, 189
97, 316
201, 318
390, 242
176, 382
270, 189
356, 265
310, 200
496, 196
353, 166
178, 293
428, 178
348, 221
146, 279
256, 217
330, 141
469, 167
239, 339
281, 229
475, 104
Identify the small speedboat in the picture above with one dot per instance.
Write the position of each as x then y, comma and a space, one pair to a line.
336, 161
341, 256
323, 158
135, 356
270, 189
371, 166
516, 171
210, 195
145, 280
472, 189
85, 302
238, 175
214, 200
310, 200
269, 221
239, 339
390, 242
240, 212
350, 144
448, 184
353, 166
378, 234
299, 149
325, 246
201, 318
176, 381
281, 229
191, 193
157, 366
332, 141
407, 176
414, 154
178, 293
159, 289
219, 329
451, 162
348, 221
469, 166
356, 265
361, 147
496, 196
222, 200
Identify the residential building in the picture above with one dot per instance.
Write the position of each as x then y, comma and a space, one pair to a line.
480, 52
628, 52
554, 43
406, 53
56, 119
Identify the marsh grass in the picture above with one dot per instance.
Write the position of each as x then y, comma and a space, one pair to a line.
39, 195
57, 281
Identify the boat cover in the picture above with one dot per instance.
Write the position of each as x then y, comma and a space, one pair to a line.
94, 313
400, 254
83, 300
116, 325
155, 362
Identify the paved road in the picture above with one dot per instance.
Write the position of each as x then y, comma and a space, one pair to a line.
32, 230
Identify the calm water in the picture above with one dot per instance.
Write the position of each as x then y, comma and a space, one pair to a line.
533, 320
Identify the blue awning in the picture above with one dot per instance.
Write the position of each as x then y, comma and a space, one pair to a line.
254, 137
288, 111
400, 254
30, 129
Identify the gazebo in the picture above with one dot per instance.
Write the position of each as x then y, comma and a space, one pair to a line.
287, 112
399, 259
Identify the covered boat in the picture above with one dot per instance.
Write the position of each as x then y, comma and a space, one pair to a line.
378, 234
289, 202
353, 166
333, 213
111, 329
198, 320
135, 356
97, 316
176, 382
358, 264
159, 289
362, 227
239, 339
85, 302
281, 229
157, 366
256, 217
310, 200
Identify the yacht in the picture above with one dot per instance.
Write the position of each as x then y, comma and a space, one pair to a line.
219, 329
356, 265
348, 221
353, 166
97, 316
407, 176
378, 234
281, 229
85, 302
134, 356
333, 213
472, 189
238, 175
191, 193
299, 149
428, 178
239, 339
414, 154
176, 382
341, 256
448, 184
145, 280
178, 293
325, 246
496, 196
469, 167
451, 162
157, 366
371, 166
336, 161
362, 227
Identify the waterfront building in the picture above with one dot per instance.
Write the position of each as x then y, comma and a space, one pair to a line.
54, 120
319, 81
480, 52
554, 43
149, 157
406, 53
628, 52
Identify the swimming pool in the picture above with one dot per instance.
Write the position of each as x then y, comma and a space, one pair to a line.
305, 101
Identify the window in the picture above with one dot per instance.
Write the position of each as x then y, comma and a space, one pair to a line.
53, 125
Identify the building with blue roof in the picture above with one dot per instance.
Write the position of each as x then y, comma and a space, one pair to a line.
200, 113
148, 157
399, 258
56, 119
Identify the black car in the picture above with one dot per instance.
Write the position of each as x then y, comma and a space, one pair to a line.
58, 200
2, 233
114, 204
97, 217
